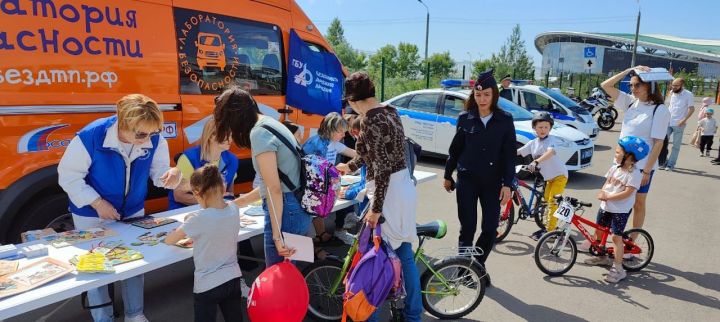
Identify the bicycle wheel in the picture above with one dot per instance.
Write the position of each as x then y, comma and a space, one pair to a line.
320, 277
638, 250
506, 222
555, 253
539, 212
455, 290
614, 112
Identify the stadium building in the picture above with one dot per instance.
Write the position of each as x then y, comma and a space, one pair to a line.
583, 52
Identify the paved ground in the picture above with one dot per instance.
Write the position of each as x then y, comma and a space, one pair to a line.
681, 284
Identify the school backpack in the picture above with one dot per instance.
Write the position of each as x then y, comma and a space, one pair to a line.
375, 275
319, 180
412, 151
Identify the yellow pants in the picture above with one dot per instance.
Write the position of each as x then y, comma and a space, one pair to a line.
553, 187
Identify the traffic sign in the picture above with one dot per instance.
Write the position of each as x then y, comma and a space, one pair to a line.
589, 52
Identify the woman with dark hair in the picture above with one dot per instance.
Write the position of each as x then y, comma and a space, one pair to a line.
237, 116
483, 152
390, 188
645, 117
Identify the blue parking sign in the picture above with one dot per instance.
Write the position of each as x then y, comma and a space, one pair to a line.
589, 52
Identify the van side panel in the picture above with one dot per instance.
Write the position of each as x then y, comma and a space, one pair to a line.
79, 52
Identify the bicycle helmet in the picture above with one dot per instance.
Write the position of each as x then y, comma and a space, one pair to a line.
542, 117
635, 145
710, 111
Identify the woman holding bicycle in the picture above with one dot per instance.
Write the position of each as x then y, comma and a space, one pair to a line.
483, 151
389, 184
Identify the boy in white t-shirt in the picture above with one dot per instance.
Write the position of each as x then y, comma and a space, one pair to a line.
708, 128
617, 199
542, 150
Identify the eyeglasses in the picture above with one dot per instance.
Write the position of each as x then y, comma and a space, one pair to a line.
145, 135
635, 85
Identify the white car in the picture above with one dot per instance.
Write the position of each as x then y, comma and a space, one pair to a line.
563, 109
430, 117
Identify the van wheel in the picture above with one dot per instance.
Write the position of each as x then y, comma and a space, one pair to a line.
49, 212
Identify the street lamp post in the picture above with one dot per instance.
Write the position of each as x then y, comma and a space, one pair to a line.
427, 34
637, 32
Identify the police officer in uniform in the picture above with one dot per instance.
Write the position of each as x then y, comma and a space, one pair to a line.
483, 152
505, 91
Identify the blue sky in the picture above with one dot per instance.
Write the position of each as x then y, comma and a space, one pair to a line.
473, 29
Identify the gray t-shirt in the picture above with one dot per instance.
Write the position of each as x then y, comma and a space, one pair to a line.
263, 140
214, 233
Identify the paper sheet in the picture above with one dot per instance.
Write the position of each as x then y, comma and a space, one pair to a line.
303, 247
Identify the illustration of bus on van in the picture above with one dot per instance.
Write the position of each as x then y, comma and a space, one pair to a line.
210, 51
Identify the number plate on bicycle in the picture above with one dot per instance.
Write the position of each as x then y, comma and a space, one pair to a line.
564, 212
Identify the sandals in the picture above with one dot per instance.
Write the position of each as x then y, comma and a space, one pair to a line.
325, 238
321, 254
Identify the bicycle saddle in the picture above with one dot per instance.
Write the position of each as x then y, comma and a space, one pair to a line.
434, 229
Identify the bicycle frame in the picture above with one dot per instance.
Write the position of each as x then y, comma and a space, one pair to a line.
579, 222
519, 198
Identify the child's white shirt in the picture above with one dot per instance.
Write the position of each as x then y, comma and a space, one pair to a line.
619, 179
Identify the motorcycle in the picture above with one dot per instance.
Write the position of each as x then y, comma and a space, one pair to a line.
598, 104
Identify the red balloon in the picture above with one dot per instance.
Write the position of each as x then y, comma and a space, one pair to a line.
278, 294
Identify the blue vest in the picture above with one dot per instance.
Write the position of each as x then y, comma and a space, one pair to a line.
107, 171
228, 169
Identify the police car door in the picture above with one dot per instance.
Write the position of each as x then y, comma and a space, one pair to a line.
420, 120
450, 107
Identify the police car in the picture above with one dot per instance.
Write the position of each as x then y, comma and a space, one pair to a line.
563, 109
430, 116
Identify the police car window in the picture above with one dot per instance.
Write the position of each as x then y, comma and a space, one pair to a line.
424, 103
535, 101
400, 102
215, 51
453, 105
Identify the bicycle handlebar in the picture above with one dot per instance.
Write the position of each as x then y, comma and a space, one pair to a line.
573, 201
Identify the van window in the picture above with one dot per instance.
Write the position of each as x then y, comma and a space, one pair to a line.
424, 103
215, 51
453, 105
400, 102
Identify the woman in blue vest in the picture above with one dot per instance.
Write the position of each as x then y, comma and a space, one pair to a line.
105, 171
483, 152
208, 151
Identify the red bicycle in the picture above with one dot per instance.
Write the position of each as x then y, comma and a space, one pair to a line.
556, 251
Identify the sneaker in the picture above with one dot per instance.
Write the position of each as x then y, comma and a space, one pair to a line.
598, 261
662, 167
707, 153
584, 247
702, 154
351, 221
346, 237
536, 235
137, 318
669, 169
616, 275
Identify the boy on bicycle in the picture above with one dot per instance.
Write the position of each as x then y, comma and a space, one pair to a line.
617, 198
542, 150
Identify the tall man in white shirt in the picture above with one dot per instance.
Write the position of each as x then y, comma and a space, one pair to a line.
681, 108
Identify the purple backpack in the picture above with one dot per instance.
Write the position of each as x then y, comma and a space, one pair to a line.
375, 274
319, 180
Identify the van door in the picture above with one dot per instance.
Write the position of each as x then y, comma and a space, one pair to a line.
451, 107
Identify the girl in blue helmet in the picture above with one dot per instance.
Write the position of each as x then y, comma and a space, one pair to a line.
617, 197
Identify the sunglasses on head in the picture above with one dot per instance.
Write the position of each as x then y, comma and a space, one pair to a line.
145, 135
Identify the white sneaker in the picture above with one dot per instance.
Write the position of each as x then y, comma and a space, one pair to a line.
351, 221
584, 247
137, 318
598, 261
615, 275
346, 237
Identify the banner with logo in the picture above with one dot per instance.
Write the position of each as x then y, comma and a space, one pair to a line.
315, 79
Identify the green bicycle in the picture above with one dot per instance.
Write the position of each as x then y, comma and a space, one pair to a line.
451, 287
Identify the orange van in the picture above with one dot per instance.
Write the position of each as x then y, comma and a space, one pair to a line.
64, 63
